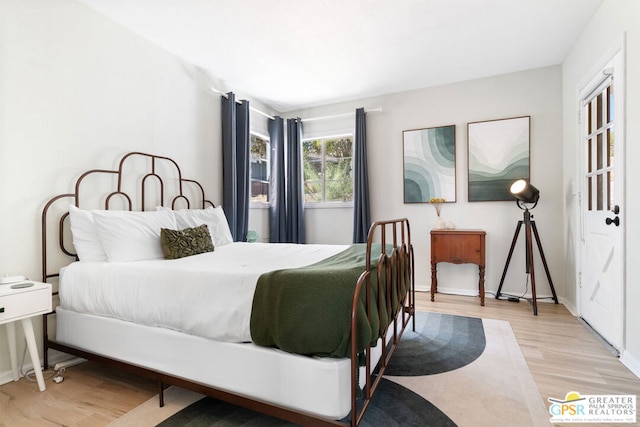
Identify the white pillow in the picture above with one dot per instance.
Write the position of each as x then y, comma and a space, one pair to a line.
85, 236
214, 218
132, 236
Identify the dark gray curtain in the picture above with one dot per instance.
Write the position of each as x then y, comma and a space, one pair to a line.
361, 208
235, 165
277, 184
295, 197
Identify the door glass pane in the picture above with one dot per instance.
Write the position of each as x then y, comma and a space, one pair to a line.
610, 188
599, 111
590, 155
610, 163
590, 191
610, 147
599, 191
610, 104
599, 160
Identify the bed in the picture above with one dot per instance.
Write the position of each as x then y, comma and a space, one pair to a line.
300, 332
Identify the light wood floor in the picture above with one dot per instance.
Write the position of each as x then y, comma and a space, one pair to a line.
561, 353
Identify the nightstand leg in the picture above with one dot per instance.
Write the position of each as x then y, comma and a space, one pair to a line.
11, 339
33, 351
434, 281
481, 285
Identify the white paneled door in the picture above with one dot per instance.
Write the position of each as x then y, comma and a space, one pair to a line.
601, 285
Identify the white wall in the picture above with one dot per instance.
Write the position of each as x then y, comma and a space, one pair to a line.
76, 92
536, 93
615, 20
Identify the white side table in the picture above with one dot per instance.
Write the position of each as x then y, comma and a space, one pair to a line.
23, 303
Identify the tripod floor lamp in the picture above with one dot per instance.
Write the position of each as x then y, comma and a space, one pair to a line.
527, 197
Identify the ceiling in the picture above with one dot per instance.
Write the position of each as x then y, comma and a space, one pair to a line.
293, 54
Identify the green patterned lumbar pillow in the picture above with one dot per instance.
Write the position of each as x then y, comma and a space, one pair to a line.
185, 242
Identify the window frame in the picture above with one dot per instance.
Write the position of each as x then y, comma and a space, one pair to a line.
324, 204
257, 204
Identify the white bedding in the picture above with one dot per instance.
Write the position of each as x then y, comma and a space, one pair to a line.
208, 295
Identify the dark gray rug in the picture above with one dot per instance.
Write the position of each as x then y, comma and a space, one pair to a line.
440, 344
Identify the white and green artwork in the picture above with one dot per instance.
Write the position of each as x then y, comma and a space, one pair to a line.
498, 156
430, 164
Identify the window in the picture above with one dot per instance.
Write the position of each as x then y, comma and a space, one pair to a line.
259, 168
328, 175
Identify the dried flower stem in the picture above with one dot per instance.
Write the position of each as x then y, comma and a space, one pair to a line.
437, 204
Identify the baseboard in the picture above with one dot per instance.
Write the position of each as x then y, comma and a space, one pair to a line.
452, 291
572, 308
457, 291
6, 377
488, 293
630, 362
54, 358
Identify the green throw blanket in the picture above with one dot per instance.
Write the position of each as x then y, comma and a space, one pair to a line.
307, 310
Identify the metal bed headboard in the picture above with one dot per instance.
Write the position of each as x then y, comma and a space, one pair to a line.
185, 193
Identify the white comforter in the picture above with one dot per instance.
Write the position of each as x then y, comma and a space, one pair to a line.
208, 295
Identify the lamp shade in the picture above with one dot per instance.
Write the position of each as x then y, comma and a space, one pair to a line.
524, 191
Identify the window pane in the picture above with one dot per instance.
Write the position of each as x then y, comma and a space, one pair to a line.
312, 170
338, 181
339, 191
338, 177
312, 159
312, 191
259, 169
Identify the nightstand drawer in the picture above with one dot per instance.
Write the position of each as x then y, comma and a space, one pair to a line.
25, 303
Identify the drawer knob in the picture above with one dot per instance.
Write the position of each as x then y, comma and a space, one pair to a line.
1, 309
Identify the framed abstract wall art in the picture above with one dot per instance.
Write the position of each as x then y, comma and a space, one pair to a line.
429, 164
498, 155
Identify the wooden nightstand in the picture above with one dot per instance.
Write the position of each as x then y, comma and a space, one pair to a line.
23, 303
458, 247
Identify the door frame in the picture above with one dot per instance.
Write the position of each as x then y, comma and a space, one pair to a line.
596, 77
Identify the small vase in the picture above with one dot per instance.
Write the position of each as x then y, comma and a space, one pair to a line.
440, 224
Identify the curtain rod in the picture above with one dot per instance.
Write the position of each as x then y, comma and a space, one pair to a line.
262, 113
310, 119
335, 116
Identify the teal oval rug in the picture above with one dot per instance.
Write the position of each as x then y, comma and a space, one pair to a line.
440, 344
